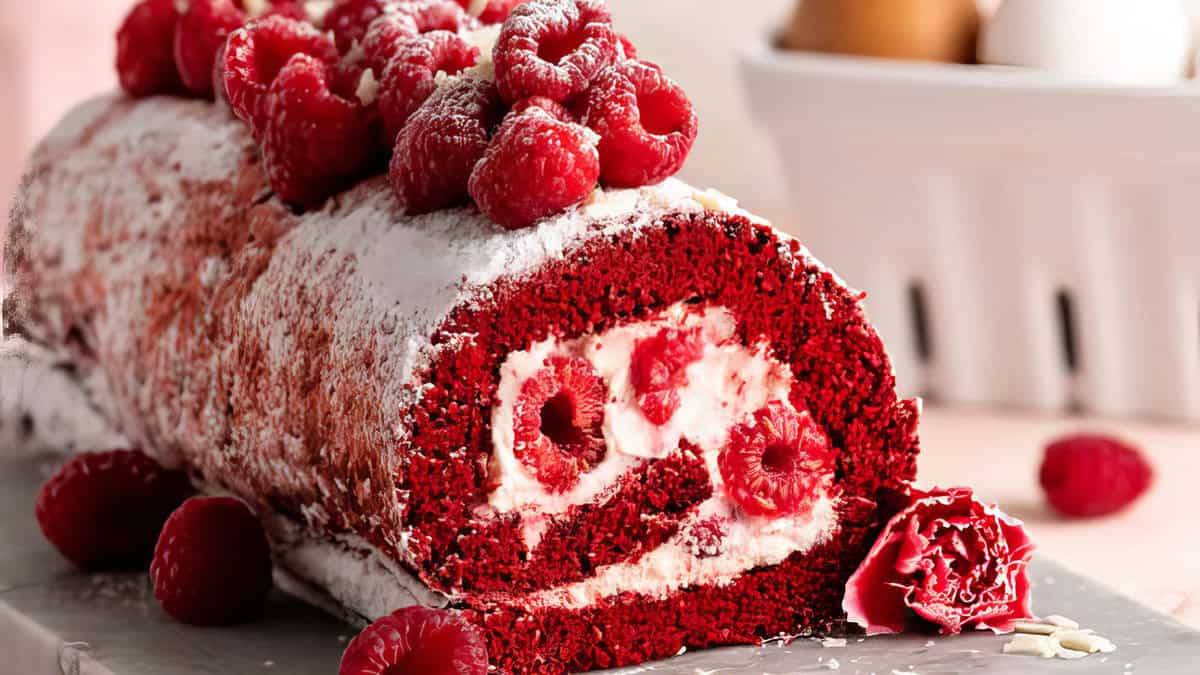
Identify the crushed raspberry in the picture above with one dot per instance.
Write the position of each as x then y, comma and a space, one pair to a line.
199, 33
441, 143
104, 510
145, 49
778, 463
1086, 476
645, 121
557, 110
535, 167
553, 48
658, 370
628, 51
316, 140
256, 53
409, 77
494, 11
417, 640
212, 565
558, 420
705, 538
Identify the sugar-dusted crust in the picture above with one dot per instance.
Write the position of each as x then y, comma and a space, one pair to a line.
337, 369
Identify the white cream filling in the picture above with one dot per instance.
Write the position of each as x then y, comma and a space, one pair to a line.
724, 387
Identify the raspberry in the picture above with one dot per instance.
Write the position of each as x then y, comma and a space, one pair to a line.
558, 422
553, 48
104, 510
493, 11
349, 19
1086, 476
384, 36
535, 167
628, 51
409, 77
557, 110
441, 143
645, 121
255, 54
212, 565
145, 49
658, 370
778, 463
316, 141
704, 538
417, 640
199, 32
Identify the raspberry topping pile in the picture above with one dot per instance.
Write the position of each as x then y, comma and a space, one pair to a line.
212, 565
417, 640
1087, 476
328, 103
536, 166
658, 370
104, 510
778, 463
558, 420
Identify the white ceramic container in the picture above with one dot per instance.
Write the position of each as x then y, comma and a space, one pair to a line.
1024, 239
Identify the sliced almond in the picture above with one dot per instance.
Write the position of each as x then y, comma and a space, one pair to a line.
1032, 645
1084, 642
1033, 628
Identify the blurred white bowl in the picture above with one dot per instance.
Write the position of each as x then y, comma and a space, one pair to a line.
1024, 239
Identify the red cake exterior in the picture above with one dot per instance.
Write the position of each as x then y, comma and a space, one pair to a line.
342, 370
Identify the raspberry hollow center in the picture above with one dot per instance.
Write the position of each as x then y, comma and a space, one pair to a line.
781, 458
558, 421
660, 113
553, 49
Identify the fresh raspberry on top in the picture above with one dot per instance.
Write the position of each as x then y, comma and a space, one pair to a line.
491, 11
255, 54
410, 75
553, 48
104, 510
212, 565
417, 640
778, 463
558, 422
349, 19
384, 36
658, 370
557, 110
146, 49
431, 15
199, 33
441, 143
1086, 476
536, 167
645, 121
316, 141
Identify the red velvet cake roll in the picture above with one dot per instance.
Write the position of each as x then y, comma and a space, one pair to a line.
650, 423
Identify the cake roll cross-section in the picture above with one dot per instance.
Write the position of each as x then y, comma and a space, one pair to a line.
650, 423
